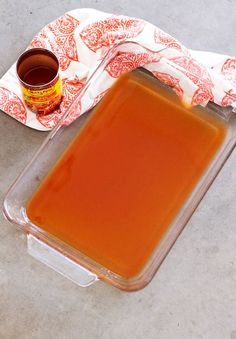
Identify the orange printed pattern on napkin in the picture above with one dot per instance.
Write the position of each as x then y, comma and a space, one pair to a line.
59, 38
81, 37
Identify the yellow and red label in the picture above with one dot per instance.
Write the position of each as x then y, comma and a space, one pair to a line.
43, 100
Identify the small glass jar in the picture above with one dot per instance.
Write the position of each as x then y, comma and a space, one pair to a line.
38, 74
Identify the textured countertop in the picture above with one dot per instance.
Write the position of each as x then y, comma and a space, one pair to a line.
194, 293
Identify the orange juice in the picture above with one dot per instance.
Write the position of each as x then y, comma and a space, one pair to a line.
116, 189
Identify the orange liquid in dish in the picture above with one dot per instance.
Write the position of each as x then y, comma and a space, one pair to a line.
119, 185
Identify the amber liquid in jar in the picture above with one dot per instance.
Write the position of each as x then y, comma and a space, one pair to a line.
38, 74
117, 188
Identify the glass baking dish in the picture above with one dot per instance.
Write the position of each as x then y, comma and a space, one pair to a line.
60, 256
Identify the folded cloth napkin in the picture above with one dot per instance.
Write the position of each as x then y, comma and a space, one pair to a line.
80, 39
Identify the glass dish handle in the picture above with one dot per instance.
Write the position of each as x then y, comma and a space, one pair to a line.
63, 265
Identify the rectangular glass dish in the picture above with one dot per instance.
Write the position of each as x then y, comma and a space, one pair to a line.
107, 196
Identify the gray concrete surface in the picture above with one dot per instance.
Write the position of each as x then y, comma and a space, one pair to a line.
193, 295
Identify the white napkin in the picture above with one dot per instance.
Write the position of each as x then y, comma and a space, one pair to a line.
81, 37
